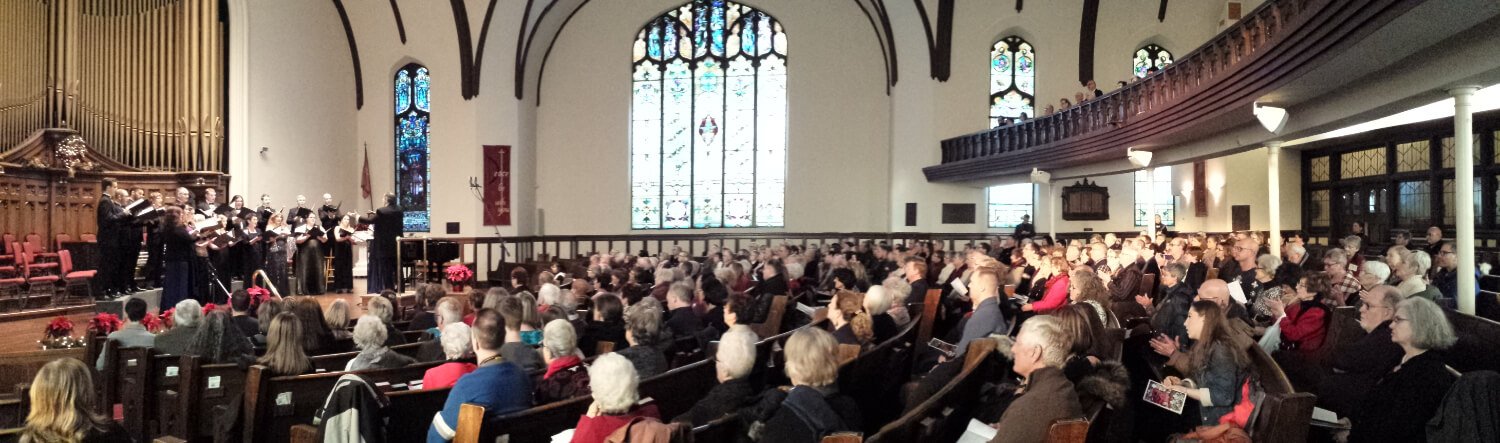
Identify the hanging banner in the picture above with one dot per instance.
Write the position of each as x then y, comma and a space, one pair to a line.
496, 185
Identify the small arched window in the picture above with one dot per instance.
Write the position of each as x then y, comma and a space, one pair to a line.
1012, 80
1149, 57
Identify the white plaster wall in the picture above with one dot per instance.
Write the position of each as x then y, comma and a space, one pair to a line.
838, 141
299, 96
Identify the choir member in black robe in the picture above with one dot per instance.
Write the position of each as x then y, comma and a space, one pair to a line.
177, 238
387, 221
341, 239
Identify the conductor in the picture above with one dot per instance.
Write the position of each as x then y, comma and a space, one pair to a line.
387, 221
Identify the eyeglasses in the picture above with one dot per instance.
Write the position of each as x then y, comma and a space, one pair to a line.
1398, 319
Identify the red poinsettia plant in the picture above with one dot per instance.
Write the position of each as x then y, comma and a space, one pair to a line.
105, 323
166, 317
258, 295
458, 274
209, 308
59, 327
152, 323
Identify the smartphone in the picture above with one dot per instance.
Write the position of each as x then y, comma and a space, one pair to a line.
946, 348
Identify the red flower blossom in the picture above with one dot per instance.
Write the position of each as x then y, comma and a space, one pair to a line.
152, 323
105, 323
59, 327
458, 274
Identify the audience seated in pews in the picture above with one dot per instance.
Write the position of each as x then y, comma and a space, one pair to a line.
219, 341
500, 386
1124, 283
1038, 354
1354, 368
733, 362
1303, 329
613, 383
381, 309
643, 332
606, 324
877, 305
682, 321
370, 339
425, 319
514, 310
772, 283
813, 407
284, 352
1051, 286
456, 343
1216, 364
179, 339
1216, 291
449, 311
1172, 307
239, 304
849, 322
132, 334
1344, 284
337, 318
1402, 401
712, 296
1087, 288
62, 399
1265, 289
316, 337
263, 314
566, 375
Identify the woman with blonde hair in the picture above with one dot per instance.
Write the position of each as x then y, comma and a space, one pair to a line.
62, 407
1054, 292
337, 318
284, 354
851, 324
813, 407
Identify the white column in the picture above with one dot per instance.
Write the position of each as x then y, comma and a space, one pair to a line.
239, 100
1463, 194
1052, 203
1273, 189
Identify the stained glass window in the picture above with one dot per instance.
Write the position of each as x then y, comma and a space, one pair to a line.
1157, 191
413, 161
1151, 56
1320, 169
1413, 156
1414, 203
1320, 212
1007, 203
1447, 145
1448, 206
1012, 80
1362, 163
708, 119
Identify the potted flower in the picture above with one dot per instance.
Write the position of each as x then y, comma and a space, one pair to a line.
458, 276
59, 335
104, 323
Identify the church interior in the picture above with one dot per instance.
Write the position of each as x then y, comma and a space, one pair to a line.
750, 221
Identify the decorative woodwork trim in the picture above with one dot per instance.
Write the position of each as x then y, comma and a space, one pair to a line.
359, 77
400, 26
468, 55
1087, 32
939, 44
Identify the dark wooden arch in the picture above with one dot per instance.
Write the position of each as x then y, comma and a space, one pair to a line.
359, 81
400, 26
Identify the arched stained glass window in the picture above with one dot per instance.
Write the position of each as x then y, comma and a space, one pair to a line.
708, 119
1151, 56
413, 130
1012, 80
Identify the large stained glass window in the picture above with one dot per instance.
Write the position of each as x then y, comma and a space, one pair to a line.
1151, 56
1012, 80
708, 119
1007, 203
1155, 189
413, 130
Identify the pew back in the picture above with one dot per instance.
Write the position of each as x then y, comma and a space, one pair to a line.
1284, 414
943, 416
273, 404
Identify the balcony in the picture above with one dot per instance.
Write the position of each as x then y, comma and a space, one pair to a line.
1208, 90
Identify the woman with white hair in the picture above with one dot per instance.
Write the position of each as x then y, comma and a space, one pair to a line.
381, 309
733, 362
1373, 273
613, 382
566, 375
1398, 408
897, 289
549, 294
813, 407
179, 339
877, 303
456, 345
1413, 275
369, 337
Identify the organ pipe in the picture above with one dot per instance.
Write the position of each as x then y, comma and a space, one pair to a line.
142, 80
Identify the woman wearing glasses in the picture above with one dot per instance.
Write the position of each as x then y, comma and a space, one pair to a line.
1355, 367
1403, 400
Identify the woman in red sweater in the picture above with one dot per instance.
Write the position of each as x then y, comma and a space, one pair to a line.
1304, 323
1056, 295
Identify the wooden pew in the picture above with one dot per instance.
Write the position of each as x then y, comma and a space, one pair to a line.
1478, 346
726, 428
944, 416
208, 394
772, 325
868, 378
930, 302
273, 404
673, 392
1068, 431
336, 362
1283, 415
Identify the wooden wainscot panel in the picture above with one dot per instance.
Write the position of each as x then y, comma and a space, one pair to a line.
1085, 200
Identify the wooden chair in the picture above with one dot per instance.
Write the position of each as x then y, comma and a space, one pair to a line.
38, 282
1075, 430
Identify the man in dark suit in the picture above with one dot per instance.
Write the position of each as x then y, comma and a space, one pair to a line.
109, 218
387, 221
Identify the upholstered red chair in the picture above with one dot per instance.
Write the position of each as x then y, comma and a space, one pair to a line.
31, 259
39, 281
35, 240
59, 239
38, 254
91, 238
73, 279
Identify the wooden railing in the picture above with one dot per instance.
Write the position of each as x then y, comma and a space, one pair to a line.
1275, 43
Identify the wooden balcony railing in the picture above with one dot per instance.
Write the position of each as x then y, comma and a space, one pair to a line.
1273, 44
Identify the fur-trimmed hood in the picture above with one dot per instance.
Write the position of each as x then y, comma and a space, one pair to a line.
1107, 383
